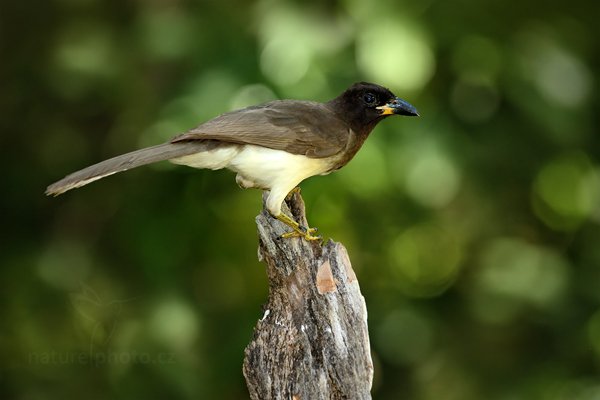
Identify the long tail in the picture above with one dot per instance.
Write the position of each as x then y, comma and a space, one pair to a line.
127, 161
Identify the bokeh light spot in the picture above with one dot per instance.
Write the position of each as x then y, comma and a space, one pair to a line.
293, 37
560, 76
510, 268
174, 324
250, 95
285, 62
425, 259
432, 179
565, 192
397, 53
366, 175
86, 50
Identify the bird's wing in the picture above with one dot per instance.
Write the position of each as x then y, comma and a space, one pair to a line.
298, 127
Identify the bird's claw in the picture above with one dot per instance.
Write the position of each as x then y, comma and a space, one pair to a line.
306, 233
298, 230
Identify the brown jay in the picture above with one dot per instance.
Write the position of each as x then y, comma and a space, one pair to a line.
272, 146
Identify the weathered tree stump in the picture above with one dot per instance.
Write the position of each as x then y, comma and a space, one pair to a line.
312, 341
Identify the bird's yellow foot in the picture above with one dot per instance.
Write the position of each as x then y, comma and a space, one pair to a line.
298, 230
304, 233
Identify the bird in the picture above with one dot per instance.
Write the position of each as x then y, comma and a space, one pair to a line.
272, 146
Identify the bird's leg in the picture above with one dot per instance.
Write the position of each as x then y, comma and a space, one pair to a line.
273, 205
298, 230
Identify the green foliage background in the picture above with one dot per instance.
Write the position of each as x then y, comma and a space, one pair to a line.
474, 230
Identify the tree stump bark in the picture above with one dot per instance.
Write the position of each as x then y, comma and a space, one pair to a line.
312, 341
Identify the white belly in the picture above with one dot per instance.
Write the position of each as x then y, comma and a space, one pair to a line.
268, 168
275, 170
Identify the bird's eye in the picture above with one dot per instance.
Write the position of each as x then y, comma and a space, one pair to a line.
370, 99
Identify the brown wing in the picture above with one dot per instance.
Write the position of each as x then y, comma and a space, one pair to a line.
298, 127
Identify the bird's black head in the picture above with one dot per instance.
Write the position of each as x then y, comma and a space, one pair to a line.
364, 104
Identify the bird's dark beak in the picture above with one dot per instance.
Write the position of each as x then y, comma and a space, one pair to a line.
398, 107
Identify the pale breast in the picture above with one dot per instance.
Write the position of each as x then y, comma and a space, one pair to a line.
268, 167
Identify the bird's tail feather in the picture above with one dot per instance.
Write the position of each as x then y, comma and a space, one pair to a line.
127, 161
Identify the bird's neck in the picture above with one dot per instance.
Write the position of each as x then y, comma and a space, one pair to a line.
353, 117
